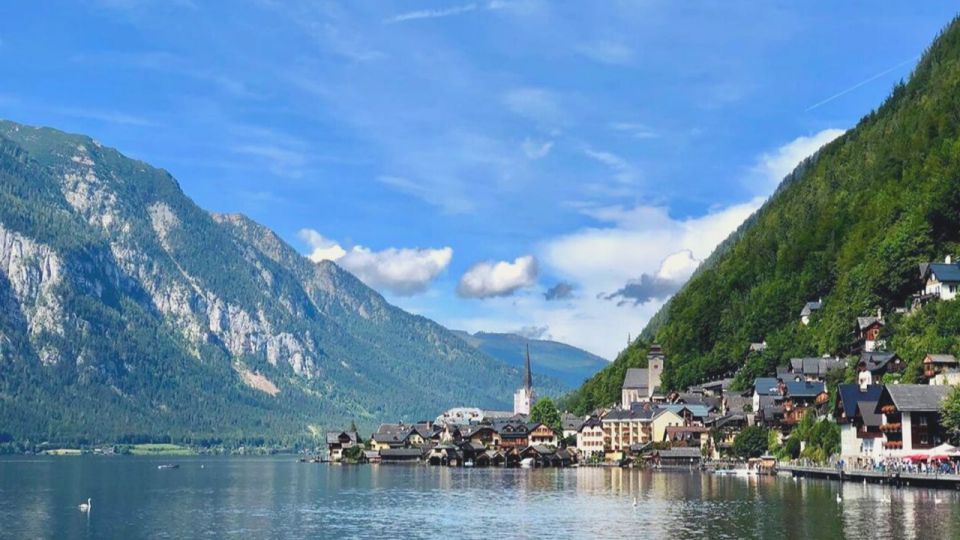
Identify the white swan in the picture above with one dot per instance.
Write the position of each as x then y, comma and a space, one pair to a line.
839, 498
85, 507
634, 502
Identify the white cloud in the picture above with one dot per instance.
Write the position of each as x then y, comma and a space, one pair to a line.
401, 271
772, 167
431, 13
536, 150
635, 130
624, 172
488, 279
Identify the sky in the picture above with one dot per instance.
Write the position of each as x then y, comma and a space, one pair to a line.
556, 169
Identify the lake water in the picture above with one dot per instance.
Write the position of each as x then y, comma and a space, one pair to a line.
280, 498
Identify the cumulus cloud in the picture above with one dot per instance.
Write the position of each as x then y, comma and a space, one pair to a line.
672, 274
489, 279
772, 167
560, 291
402, 271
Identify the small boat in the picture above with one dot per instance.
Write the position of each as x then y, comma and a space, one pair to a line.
468, 464
168, 466
526, 463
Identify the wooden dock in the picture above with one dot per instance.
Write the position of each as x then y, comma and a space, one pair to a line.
894, 478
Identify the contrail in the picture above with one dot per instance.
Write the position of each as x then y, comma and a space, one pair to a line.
861, 83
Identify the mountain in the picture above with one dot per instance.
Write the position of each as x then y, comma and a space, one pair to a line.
129, 313
849, 226
569, 365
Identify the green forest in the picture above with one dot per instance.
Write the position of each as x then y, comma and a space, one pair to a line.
849, 226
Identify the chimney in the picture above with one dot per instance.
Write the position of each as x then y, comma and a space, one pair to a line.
948, 259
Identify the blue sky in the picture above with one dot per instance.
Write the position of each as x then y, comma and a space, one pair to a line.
494, 165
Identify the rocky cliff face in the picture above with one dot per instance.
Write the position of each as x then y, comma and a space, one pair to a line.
120, 293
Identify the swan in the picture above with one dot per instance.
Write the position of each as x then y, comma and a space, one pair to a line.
85, 507
937, 500
839, 498
634, 502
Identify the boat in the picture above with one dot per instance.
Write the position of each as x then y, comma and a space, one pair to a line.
168, 466
737, 472
526, 463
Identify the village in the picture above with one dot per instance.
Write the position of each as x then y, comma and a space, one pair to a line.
877, 427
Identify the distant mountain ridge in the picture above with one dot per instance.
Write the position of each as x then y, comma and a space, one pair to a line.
566, 363
129, 312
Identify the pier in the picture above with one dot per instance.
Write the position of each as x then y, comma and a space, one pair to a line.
893, 478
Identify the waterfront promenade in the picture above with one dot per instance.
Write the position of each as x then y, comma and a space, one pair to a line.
857, 474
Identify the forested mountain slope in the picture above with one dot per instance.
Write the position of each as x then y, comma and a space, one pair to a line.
128, 312
850, 226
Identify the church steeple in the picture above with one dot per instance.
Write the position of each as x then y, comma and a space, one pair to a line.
527, 376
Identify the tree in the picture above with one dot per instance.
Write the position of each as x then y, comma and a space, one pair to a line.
545, 412
950, 414
751, 442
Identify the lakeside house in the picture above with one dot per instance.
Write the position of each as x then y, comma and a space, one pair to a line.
590, 438
338, 441
911, 417
855, 412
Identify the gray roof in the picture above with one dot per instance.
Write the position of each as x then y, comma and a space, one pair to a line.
816, 366
571, 422
944, 272
917, 397
809, 308
942, 358
868, 411
593, 421
333, 437
876, 361
865, 322
681, 453
736, 403
636, 378
400, 452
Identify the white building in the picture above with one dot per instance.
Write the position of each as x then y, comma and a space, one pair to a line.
941, 280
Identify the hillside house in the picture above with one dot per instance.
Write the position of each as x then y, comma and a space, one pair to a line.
868, 333
806, 314
941, 369
814, 369
911, 418
940, 280
799, 398
872, 366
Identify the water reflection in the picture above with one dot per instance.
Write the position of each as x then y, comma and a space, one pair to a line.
256, 497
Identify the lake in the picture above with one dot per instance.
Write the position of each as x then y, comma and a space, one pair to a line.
277, 497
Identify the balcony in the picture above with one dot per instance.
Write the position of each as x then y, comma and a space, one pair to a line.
888, 409
893, 445
891, 428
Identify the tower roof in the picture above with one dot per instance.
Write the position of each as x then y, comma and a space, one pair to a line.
527, 377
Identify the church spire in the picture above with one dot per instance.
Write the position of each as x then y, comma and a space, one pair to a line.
527, 377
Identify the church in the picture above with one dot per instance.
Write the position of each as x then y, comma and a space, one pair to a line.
524, 398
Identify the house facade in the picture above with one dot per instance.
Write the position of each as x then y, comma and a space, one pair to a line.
643, 384
911, 418
855, 413
940, 280
590, 437
338, 441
